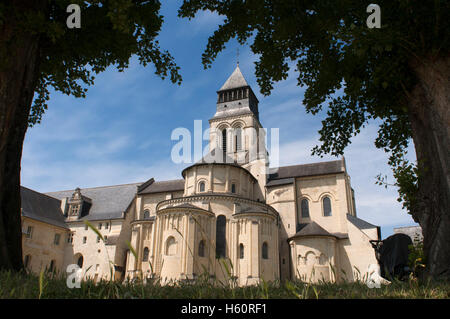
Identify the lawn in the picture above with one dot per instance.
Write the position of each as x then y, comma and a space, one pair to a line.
45, 286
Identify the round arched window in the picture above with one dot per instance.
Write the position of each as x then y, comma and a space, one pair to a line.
145, 254
326, 206
265, 251
201, 187
80, 262
171, 246
146, 214
201, 248
305, 208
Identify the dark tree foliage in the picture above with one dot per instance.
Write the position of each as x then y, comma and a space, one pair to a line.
398, 74
38, 52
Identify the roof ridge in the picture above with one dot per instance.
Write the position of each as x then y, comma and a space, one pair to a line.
86, 188
170, 180
315, 163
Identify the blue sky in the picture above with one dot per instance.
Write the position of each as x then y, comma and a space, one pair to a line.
121, 132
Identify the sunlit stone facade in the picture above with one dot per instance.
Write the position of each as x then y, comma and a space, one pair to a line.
228, 218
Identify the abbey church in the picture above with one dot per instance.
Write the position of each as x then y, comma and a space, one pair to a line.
230, 215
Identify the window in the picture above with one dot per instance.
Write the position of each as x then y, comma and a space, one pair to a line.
265, 251
201, 248
106, 225
145, 254
171, 246
238, 138
29, 233
70, 238
146, 214
98, 239
100, 226
233, 188
224, 143
241, 251
201, 187
305, 208
221, 244
84, 240
105, 238
80, 261
74, 210
326, 206
56, 239
27, 261
51, 268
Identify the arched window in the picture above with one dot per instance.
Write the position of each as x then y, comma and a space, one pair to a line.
80, 262
171, 246
145, 254
265, 251
241, 251
233, 188
201, 187
51, 268
221, 225
224, 143
326, 206
305, 208
146, 214
238, 138
201, 248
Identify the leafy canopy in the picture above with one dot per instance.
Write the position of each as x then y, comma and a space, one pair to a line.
336, 52
111, 32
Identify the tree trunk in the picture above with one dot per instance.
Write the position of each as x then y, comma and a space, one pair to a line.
430, 120
19, 56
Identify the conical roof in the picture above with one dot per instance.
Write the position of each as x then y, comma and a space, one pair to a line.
236, 80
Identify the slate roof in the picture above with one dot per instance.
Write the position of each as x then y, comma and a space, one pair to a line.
359, 223
210, 158
164, 186
313, 229
108, 202
282, 181
321, 168
236, 80
41, 207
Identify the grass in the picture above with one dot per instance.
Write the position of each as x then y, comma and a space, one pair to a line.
49, 286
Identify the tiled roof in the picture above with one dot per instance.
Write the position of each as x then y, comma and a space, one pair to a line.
164, 186
313, 229
236, 80
359, 223
41, 207
282, 181
321, 168
108, 202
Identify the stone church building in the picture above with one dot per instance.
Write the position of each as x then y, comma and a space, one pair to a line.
229, 216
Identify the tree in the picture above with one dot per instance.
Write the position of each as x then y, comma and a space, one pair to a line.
38, 51
399, 73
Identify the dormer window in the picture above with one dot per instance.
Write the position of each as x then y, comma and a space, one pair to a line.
78, 205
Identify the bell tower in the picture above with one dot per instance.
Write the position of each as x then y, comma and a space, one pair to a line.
236, 134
